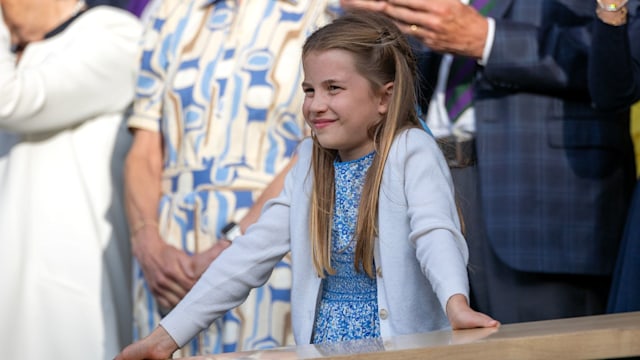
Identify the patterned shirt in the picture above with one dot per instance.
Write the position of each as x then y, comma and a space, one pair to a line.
227, 100
220, 80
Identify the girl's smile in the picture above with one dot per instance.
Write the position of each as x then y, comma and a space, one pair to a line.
321, 123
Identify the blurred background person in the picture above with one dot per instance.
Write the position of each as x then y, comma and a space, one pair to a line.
216, 120
614, 83
117, 3
140, 8
543, 180
67, 74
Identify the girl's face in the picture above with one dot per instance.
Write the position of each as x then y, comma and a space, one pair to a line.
340, 105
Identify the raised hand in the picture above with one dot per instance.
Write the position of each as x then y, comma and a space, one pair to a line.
446, 26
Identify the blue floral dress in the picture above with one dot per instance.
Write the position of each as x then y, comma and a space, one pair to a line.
348, 306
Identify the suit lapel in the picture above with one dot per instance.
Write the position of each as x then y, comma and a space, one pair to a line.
501, 7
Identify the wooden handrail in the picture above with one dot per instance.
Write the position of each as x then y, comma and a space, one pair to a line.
589, 337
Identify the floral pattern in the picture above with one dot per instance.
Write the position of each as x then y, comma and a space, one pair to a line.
348, 307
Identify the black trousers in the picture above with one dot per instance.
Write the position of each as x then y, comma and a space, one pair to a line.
509, 295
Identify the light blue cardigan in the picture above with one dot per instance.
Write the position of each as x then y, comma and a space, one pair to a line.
420, 254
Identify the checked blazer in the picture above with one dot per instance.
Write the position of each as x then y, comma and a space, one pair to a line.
555, 174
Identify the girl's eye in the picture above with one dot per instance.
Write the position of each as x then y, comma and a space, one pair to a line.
333, 88
308, 91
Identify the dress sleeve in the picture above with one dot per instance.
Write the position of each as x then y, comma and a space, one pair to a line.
91, 72
152, 73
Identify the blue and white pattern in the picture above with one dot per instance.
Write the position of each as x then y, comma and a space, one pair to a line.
348, 307
221, 81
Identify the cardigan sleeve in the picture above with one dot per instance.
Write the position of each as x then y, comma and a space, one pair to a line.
435, 226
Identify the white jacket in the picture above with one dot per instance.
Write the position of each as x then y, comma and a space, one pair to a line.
65, 264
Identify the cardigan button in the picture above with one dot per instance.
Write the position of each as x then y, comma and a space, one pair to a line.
384, 314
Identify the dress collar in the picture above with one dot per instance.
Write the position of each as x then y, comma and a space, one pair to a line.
80, 8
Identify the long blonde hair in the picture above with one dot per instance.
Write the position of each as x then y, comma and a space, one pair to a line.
381, 54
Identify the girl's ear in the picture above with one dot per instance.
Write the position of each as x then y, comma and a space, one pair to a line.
385, 97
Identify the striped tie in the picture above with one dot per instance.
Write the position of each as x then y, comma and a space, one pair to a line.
458, 93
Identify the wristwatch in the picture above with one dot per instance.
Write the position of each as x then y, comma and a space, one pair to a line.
612, 14
231, 231
611, 7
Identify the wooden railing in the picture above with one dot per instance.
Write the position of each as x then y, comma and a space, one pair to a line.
590, 337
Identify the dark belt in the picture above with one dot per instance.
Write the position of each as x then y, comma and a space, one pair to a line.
459, 152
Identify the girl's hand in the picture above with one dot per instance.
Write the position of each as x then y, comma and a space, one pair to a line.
461, 316
157, 346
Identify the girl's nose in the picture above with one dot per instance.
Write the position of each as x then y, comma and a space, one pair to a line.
318, 103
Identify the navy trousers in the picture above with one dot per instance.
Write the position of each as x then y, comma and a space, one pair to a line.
625, 289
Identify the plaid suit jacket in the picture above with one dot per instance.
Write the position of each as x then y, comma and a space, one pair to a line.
555, 174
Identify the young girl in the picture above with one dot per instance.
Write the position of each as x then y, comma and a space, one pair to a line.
368, 211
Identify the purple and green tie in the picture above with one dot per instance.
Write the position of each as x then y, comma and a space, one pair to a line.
458, 93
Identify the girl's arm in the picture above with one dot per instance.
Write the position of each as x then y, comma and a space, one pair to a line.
156, 346
435, 229
246, 264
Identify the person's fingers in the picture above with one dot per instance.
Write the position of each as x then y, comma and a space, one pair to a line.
411, 29
469, 319
408, 3
477, 319
187, 265
371, 5
486, 321
167, 289
156, 346
179, 275
168, 299
408, 15
201, 262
